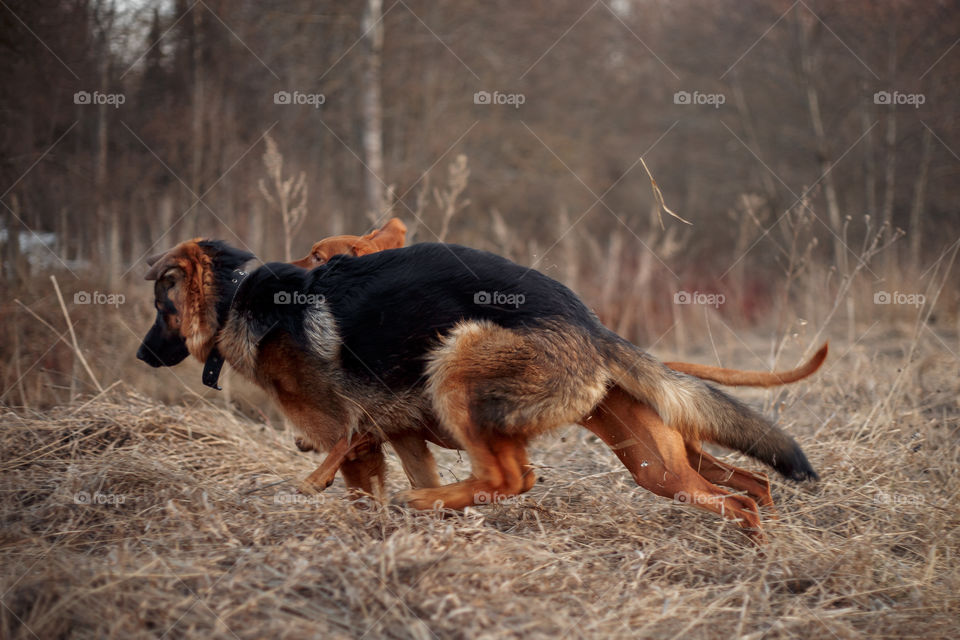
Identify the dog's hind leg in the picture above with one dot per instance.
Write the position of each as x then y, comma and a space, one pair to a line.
493, 389
656, 456
756, 485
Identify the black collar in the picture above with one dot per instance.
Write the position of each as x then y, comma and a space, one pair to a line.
214, 363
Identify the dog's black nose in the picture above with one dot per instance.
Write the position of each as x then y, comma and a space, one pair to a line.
142, 354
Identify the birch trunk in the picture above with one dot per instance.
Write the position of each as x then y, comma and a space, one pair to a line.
372, 107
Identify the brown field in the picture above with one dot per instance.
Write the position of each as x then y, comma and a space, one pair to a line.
124, 517
813, 147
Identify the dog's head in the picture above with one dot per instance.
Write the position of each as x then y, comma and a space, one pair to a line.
188, 296
389, 236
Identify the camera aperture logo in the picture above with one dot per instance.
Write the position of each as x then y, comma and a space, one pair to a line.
897, 98
711, 99
298, 297
512, 99
85, 297
697, 297
315, 100
97, 98
913, 299
499, 299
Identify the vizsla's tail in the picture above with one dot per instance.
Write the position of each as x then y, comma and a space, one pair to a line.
738, 378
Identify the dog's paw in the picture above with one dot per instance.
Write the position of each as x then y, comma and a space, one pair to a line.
419, 499
303, 445
308, 488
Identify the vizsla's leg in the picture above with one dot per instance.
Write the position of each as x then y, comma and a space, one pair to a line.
365, 469
417, 461
498, 473
757, 485
323, 476
656, 456
341, 453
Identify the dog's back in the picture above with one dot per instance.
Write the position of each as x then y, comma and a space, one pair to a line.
392, 307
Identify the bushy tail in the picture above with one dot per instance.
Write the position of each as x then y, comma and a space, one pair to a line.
701, 412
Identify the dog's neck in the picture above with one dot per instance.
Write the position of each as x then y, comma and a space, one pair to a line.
215, 360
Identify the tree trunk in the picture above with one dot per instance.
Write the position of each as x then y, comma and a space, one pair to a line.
890, 172
869, 154
372, 107
196, 124
809, 74
104, 223
746, 121
919, 199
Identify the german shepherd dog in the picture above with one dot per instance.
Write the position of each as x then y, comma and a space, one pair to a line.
459, 345
361, 460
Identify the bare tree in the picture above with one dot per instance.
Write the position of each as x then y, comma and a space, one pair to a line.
372, 26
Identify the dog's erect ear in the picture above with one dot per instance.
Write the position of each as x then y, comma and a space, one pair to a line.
224, 256
152, 260
158, 264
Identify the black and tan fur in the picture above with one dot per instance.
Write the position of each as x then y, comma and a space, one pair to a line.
394, 344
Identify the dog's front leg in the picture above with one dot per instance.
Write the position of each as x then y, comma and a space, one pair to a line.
323, 476
418, 463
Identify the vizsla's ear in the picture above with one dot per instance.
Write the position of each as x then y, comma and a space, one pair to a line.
394, 225
390, 236
363, 247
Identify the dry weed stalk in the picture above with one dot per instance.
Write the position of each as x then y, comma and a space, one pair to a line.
289, 196
458, 174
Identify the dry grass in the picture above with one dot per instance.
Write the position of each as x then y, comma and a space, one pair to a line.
205, 543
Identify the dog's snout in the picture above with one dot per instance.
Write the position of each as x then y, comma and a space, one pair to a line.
142, 354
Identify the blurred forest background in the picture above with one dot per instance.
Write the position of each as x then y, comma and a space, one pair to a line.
812, 144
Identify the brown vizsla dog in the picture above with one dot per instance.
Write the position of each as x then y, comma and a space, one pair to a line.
390, 236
